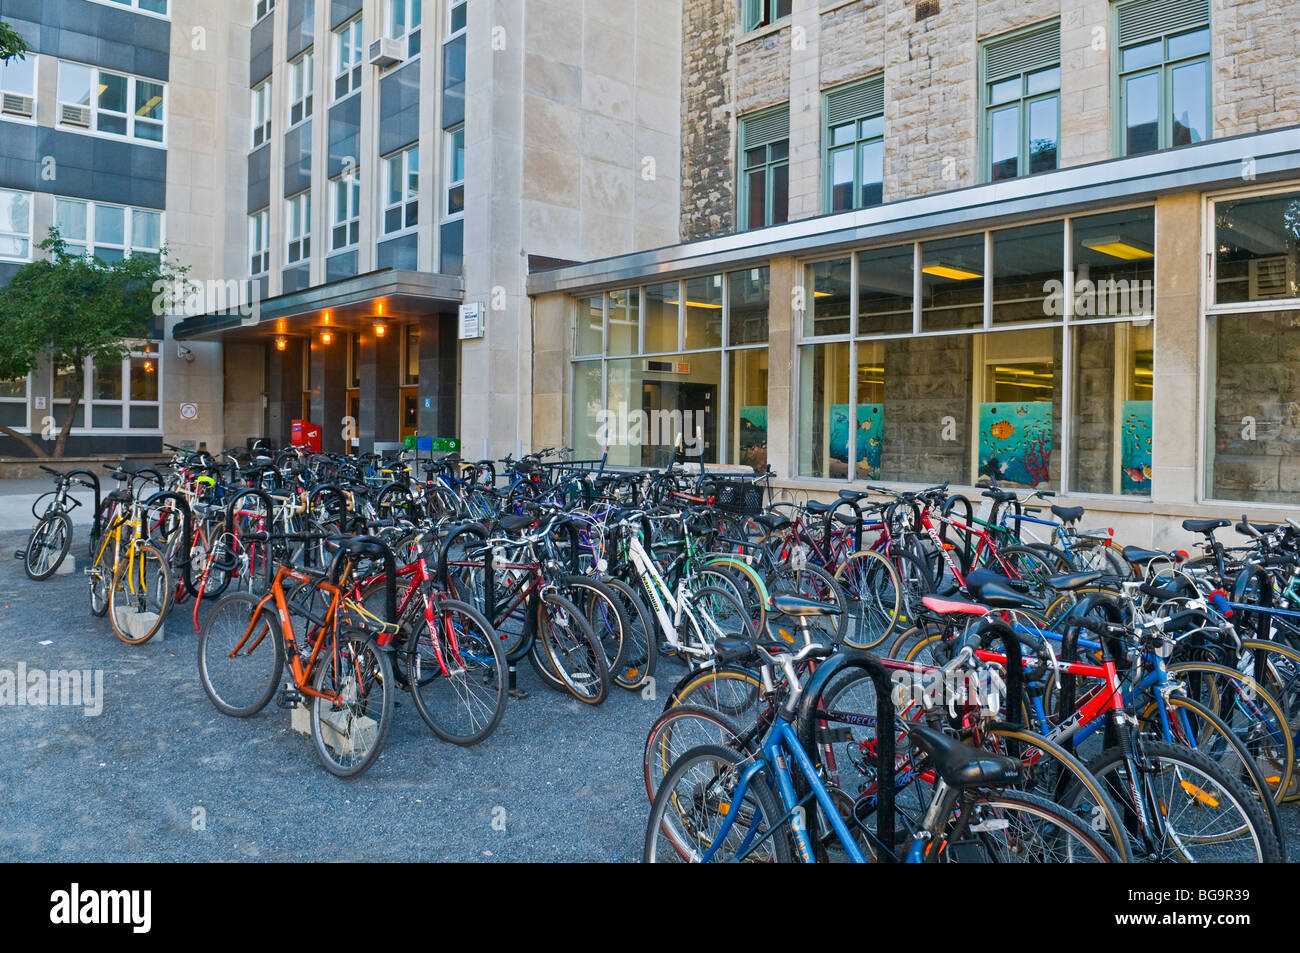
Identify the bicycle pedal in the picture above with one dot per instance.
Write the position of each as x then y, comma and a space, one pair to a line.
20, 554
288, 698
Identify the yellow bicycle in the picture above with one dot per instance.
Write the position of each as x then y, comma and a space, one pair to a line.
129, 578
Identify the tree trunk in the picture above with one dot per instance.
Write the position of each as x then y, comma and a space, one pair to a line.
37, 450
61, 445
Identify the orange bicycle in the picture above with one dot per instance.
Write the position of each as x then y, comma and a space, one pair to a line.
344, 672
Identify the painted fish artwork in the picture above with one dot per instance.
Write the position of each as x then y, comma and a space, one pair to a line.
753, 436
1016, 442
869, 438
1135, 447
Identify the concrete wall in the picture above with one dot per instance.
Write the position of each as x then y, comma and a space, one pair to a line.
573, 134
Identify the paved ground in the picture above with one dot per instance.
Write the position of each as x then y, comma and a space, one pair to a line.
159, 774
128, 784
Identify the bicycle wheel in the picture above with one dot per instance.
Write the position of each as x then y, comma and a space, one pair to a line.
695, 798
815, 583
573, 650
1280, 674
735, 692
603, 611
348, 730
1017, 827
241, 659
640, 647
874, 592
140, 595
47, 547
1029, 567
678, 730
1250, 711
460, 685
1195, 811
98, 593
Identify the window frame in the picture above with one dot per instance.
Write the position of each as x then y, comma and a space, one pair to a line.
452, 7
409, 198
262, 9
302, 68
351, 181
412, 9
131, 116
262, 124
757, 14
450, 184
353, 71
149, 350
297, 229
259, 219
1164, 69
34, 59
1024, 101
91, 246
769, 180
134, 6
830, 150
31, 220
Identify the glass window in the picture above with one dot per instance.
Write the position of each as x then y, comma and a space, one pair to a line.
106, 382
747, 423
262, 8
625, 321
345, 215
103, 230
590, 334
298, 227
404, 23
1254, 422
828, 297
654, 402
823, 410
749, 296
457, 17
1110, 417
15, 225
1257, 248
1164, 86
455, 172
1028, 264
148, 110
757, 13
855, 149
144, 377
18, 76
765, 172
1114, 264
703, 312
1021, 95
662, 306
347, 59
952, 283
885, 290
112, 103
301, 87
262, 114
402, 204
259, 241
75, 83
412, 348
589, 431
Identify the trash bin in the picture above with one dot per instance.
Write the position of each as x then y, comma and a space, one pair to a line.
305, 434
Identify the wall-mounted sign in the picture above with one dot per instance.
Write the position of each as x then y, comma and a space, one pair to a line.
471, 321
40, 402
189, 411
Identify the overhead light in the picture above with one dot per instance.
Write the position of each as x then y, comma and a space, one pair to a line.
698, 304
281, 343
380, 330
1120, 246
822, 294
327, 317
943, 269
326, 337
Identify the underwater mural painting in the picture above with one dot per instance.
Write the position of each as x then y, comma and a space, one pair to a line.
870, 440
1016, 441
1135, 447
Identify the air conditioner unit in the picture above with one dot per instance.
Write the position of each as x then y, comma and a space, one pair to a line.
14, 105
1273, 277
71, 114
386, 52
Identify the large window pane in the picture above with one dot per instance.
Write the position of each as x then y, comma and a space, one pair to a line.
748, 421
885, 290
146, 230
1189, 90
869, 423
1018, 404
873, 173
828, 297
1141, 119
841, 179
661, 312
588, 441
1028, 273
1114, 264
107, 382
591, 327
110, 225
1111, 435
1254, 438
952, 283
74, 84
19, 76
704, 312
652, 402
757, 188
1004, 143
144, 377
1257, 248
625, 321
1043, 125
749, 299
824, 410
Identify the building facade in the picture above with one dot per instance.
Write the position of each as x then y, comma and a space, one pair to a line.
1053, 242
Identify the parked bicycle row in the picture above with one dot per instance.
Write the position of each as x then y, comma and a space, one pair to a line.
1052, 693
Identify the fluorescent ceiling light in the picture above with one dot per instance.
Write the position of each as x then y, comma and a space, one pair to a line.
1119, 246
943, 269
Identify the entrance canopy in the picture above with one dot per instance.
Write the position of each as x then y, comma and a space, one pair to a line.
351, 304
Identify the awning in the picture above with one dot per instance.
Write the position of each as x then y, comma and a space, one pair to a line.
392, 295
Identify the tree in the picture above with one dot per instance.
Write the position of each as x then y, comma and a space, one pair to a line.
67, 308
11, 44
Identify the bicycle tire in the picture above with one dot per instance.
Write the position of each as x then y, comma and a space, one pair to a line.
480, 651
48, 546
675, 732
572, 648
145, 611
862, 575
367, 668
1054, 823
236, 610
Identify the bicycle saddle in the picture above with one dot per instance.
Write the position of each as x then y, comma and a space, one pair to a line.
515, 522
1070, 581
1000, 593
1136, 554
961, 765
1068, 514
816, 507
1204, 526
797, 607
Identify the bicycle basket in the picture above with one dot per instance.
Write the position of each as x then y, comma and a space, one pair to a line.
739, 496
